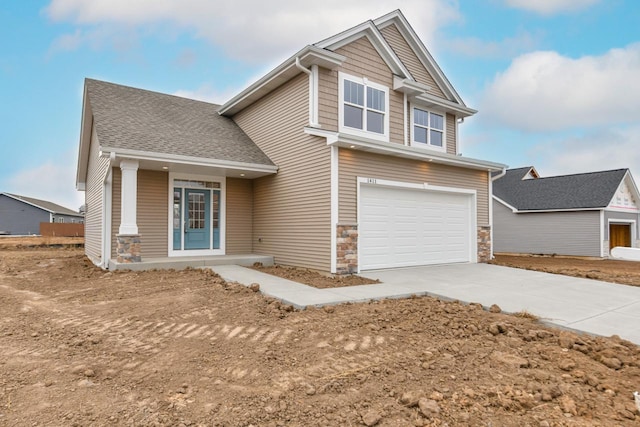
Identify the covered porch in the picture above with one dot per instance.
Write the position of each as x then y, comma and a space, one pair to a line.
180, 263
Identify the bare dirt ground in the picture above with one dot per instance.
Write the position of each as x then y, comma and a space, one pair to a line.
608, 270
314, 278
84, 347
8, 242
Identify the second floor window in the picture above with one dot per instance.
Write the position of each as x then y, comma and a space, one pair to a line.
428, 128
364, 107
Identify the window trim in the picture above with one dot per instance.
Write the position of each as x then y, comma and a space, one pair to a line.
428, 145
362, 132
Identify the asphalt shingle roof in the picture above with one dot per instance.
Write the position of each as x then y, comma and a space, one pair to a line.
137, 119
579, 191
47, 206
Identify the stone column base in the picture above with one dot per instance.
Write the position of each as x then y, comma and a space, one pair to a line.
484, 244
128, 248
346, 248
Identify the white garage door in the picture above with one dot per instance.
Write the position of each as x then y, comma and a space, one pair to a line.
402, 227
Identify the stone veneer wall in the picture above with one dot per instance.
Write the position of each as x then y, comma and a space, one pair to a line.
128, 248
484, 244
347, 248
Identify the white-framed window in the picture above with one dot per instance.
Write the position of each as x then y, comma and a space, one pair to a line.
364, 107
428, 128
60, 220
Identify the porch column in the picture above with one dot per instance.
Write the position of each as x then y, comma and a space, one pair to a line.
128, 239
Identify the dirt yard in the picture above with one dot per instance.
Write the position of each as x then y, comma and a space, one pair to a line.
314, 278
608, 270
84, 347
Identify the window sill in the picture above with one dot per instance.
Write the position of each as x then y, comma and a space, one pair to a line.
424, 146
364, 134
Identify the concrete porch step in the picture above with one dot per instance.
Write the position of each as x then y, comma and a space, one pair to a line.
180, 263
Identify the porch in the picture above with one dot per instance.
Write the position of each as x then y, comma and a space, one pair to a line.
180, 263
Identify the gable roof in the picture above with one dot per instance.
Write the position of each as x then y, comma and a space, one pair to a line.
593, 190
135, 119
321, 53
44, 205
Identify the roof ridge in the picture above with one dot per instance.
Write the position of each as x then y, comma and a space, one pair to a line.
582, 173
150, 91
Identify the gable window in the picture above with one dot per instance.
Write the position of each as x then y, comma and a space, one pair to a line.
364, 107
428, 128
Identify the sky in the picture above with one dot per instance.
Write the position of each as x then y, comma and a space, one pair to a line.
556, 82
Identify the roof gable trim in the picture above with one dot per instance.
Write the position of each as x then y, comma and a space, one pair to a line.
309, 55
397, 17
371, 32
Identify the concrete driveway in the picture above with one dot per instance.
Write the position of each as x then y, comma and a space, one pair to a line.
585, 305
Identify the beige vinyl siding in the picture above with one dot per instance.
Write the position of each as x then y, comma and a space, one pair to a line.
410, 59
362, 61
96, 172
152, 212
328, 99
451, 134
239, 228
115, 209
562, 233
291, 210
354, 164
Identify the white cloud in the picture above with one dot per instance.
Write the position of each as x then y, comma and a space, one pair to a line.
505, 48
550, 7
250, 30
208, 93
595, 151
545, 91
53, 181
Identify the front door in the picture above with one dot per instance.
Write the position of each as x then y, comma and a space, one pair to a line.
619, 235
197, 216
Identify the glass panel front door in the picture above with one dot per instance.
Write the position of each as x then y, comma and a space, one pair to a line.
196, 217
197, 214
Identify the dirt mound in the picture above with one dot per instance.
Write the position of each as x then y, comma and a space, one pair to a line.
80, 346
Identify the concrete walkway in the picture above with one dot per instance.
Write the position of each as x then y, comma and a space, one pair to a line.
585, 305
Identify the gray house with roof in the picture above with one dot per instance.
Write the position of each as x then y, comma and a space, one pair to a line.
584, 214
20, 215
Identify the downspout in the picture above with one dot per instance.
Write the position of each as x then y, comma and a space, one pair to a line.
313, 115
491, 179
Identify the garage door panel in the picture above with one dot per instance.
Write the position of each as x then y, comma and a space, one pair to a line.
405, 227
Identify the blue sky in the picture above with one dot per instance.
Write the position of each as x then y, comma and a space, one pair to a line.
556, 82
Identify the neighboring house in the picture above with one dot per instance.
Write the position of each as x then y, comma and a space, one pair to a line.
21, 215
584, 214
345, 157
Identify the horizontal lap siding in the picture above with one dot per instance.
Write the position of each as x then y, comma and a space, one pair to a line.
623, 216
362, 61
239, 233
328, 99
291, 210
355, 164
451, 134
152, 212
115, 208
409, 59
562, 233
96, 172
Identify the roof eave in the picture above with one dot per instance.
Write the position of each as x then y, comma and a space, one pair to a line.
168, 158
460, 110
86, 123
398, 150
309, 55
